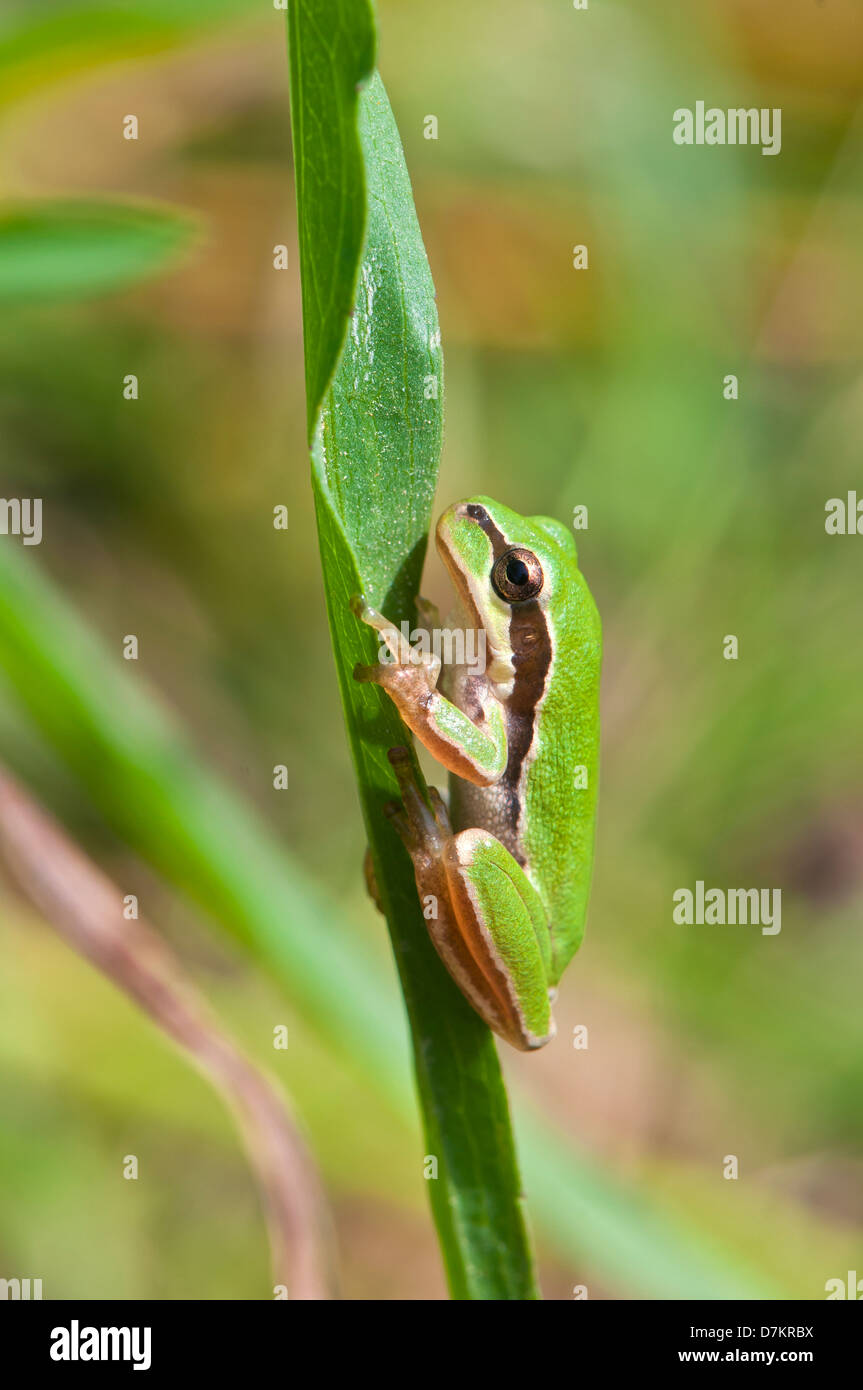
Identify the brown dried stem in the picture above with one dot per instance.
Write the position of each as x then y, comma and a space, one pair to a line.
85, 908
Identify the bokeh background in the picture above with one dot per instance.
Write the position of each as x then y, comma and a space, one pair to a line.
706, 518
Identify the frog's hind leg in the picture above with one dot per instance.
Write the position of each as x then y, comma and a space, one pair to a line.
485, 918
502, 919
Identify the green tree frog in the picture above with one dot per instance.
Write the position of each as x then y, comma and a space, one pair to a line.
504, 872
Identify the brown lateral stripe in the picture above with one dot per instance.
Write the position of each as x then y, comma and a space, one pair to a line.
531, 662
481, 516
530, 641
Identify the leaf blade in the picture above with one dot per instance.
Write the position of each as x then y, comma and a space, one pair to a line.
326, 79
70, 249
376, 434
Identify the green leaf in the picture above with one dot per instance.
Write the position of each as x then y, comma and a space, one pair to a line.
161, 798
329, 173
374, 378
68, 249
40, 46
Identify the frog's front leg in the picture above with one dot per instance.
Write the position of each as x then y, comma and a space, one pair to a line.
488, 923
472, 746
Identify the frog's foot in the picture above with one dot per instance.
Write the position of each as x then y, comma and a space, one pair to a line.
413, 822
409, 675
424, 829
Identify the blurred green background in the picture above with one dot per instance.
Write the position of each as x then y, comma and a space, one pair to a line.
601, 388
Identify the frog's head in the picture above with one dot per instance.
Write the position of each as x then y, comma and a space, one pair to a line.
510, 572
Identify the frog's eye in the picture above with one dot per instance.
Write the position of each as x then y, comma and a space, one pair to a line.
517, 575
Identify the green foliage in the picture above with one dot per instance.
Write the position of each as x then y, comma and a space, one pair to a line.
40, 43
66, 249
145, 780
139, 770
705, 517
326, 78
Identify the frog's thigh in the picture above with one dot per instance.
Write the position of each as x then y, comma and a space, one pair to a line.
502, 925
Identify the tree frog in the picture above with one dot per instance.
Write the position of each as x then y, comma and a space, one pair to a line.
504, 871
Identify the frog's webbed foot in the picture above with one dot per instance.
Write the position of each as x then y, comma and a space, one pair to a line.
409, 675
473, 746
423, 831
423, 828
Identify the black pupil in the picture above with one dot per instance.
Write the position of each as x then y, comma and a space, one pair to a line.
517, 572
